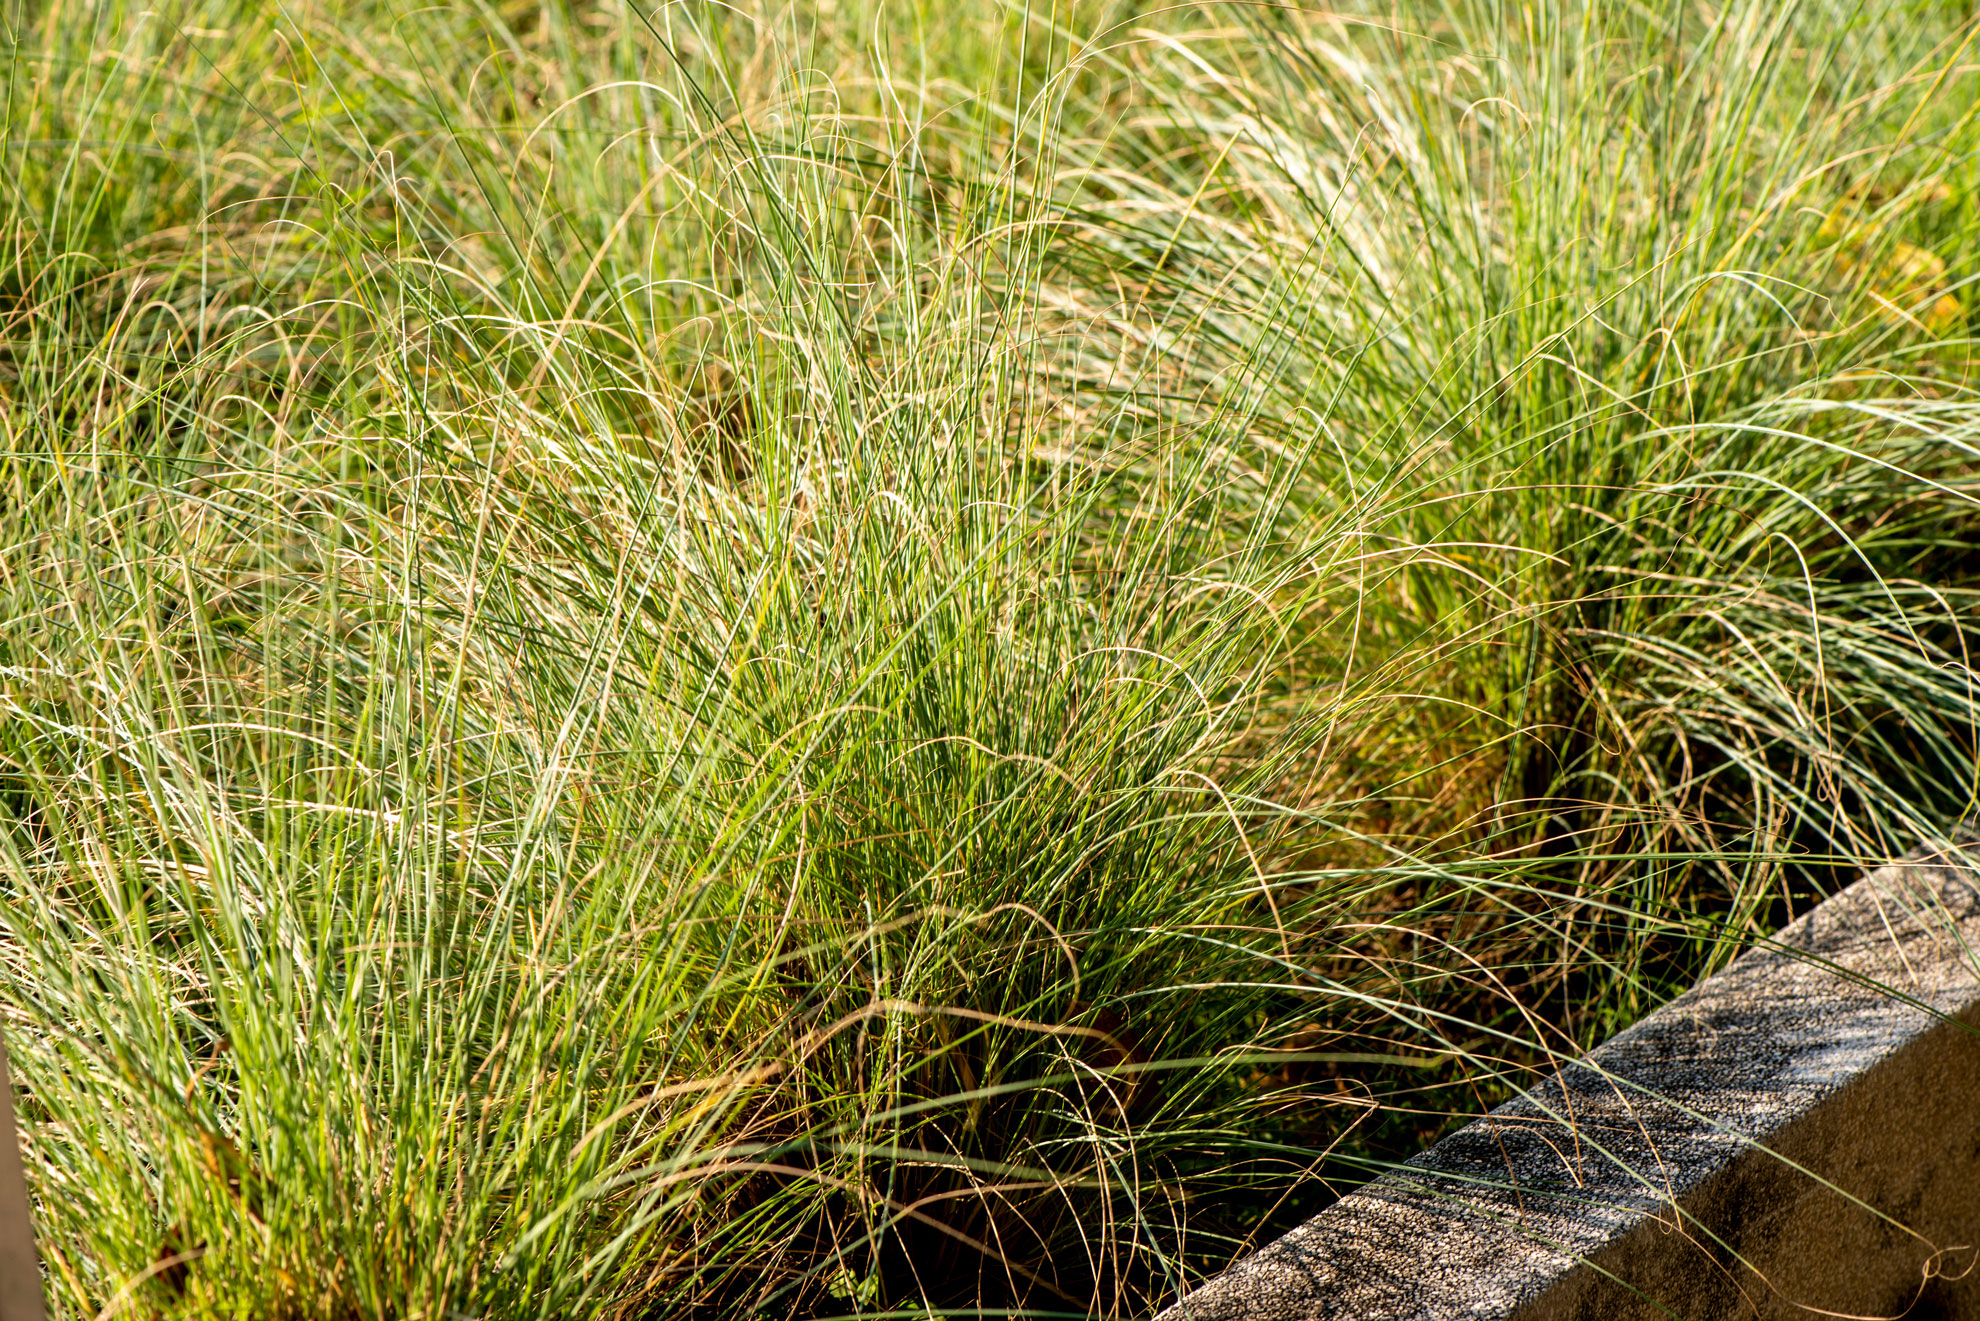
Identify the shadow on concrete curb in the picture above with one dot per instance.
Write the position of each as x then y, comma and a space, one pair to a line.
1795, 1137
20, 1270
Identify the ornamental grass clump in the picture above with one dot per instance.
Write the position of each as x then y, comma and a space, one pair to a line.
1639, 347
847, 662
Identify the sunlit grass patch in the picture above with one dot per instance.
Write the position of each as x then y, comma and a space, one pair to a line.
862, 662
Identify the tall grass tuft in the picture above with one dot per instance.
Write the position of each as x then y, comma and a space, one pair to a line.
864, 662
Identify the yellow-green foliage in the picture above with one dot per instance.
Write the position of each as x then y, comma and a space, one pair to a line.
882, 660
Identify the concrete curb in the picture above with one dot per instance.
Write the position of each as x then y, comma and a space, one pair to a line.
20, 1270
1787, 1139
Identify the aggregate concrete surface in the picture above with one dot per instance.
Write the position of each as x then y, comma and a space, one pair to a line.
1796, 1136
